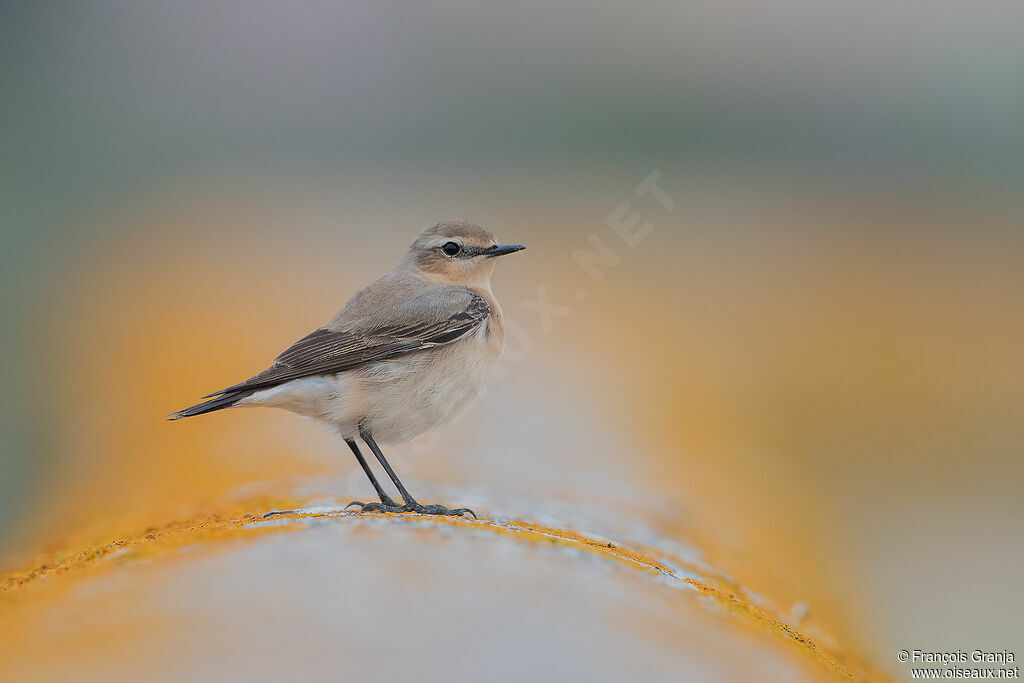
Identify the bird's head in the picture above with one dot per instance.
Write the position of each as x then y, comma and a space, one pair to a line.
457, 253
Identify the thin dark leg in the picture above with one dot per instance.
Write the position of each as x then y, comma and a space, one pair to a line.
384, 497
406, 496
410, 503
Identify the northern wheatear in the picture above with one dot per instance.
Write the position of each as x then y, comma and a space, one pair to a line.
404, 356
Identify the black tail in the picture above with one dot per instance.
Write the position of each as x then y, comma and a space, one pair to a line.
225, 400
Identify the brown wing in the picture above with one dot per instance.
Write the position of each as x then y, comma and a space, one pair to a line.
327, 351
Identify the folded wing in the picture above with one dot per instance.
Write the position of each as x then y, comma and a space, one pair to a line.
326, 351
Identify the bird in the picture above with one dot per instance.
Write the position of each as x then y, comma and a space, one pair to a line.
404, 356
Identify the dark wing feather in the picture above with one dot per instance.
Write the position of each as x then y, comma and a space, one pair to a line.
326, 351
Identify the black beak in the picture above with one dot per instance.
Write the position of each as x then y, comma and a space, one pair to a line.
502, 249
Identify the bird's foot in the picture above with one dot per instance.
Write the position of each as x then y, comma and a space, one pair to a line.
437, 510
274, 513
418, 508
386, 506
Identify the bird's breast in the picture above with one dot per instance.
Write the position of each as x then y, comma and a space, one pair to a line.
402, 398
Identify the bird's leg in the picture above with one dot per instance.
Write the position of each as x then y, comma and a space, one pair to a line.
384, 497
385, 500
411, 505
406, 496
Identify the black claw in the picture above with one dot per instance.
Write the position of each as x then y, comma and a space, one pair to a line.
375, 507
386, 503
273, 513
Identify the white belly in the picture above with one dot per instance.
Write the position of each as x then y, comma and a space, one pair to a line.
398, 399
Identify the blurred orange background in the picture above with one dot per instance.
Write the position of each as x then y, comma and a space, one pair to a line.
811, 366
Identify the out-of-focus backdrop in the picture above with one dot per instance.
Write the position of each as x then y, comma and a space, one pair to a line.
806, 355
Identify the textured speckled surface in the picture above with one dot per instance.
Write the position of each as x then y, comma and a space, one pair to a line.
329, 595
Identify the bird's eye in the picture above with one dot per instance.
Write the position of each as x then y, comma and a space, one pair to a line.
451, 248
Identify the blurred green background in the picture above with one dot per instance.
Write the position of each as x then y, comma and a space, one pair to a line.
814, 361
